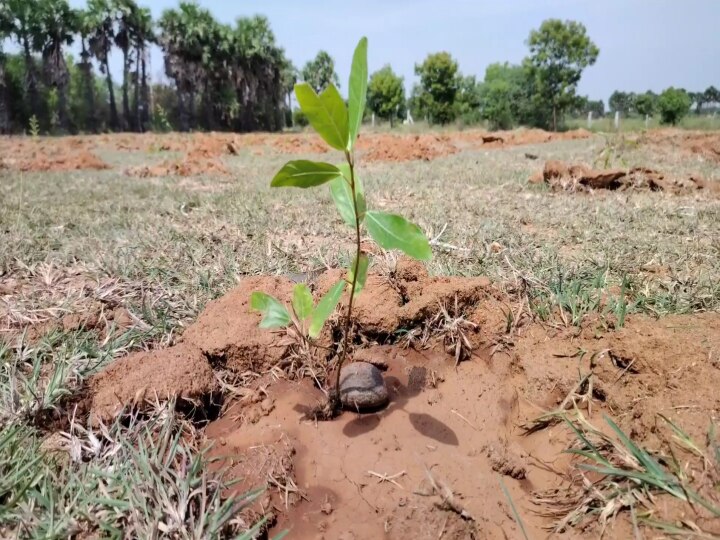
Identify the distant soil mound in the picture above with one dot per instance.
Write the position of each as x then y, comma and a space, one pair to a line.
44, 156
705, 144
561, 176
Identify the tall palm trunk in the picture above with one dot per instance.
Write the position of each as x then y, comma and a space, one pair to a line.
4, 109
182, 109
289, 108
144, 92
31, 79
126, 89
192, 118
138, 120
62, 106
57, 75
114, 121
91, 119
207, 106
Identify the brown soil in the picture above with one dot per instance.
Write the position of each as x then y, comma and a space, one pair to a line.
35, 156
431, 464
190, 166
299, 144
518, 137
393, 147
561, 176
202, 150
701, 143
178, 372
386, 147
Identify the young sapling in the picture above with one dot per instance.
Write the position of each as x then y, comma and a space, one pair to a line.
339, 125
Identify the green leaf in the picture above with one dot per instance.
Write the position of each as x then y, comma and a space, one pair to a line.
342, 195
302, 301
325, 308
274, 313
358, 90
305, 174
391, 231
326, 113
362, 267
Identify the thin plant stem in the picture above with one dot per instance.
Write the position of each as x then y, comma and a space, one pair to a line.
348, 317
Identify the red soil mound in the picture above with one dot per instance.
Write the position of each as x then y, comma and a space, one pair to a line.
391, 147
701, 143
299, 144
184, 167
178, 372
54, 159
385, 147
498, 139
228, 333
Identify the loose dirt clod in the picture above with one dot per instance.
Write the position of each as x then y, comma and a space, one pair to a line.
508, 460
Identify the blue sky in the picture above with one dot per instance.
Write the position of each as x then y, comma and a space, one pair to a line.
644, 44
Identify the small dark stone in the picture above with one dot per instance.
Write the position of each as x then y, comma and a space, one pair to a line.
362, 387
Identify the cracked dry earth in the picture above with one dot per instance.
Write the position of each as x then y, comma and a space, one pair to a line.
449, 452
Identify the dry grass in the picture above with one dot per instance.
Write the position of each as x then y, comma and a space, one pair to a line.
612, 474
159, 249
141, 477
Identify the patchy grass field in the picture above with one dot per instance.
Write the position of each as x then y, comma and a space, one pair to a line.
96, 264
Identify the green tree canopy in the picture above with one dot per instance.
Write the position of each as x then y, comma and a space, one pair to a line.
320, 72
622, 102
386, 94
559, 51
712, 95
504, 99
469, 98
645, 103
673, 105
439, 85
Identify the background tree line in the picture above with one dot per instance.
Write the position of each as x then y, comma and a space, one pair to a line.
232, 77
236, 77
672, 104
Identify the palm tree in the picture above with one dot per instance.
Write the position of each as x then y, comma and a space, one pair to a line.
142, 36
100, 43
220, 103
85, 29
125, 15
186, 39
57, 24
259, 75
289, 75
5, 32
22, 17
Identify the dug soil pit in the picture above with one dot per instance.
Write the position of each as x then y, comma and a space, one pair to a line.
575, 178
457, 442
